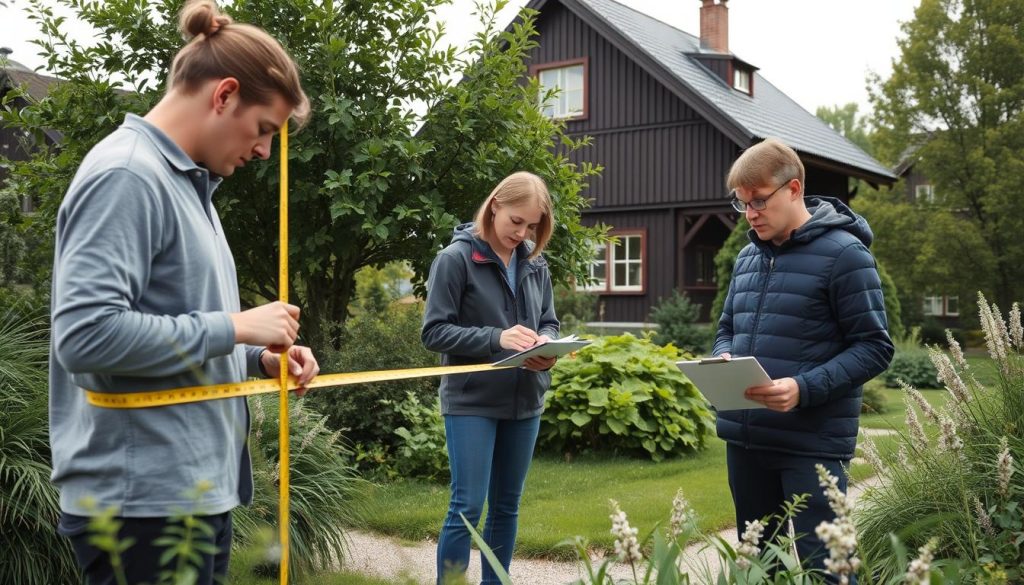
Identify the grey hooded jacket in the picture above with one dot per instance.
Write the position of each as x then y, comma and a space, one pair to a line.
469, 303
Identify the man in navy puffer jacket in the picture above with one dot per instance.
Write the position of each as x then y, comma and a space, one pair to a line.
806, 301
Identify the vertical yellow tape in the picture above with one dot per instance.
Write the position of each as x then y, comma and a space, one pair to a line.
283, 392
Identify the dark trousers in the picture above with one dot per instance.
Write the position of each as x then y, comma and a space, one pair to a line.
761, 481
141, 561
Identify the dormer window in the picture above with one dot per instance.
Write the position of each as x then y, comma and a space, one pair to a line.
570, 79
741, 79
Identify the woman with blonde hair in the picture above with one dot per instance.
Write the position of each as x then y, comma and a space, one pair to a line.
145, 298
489, 295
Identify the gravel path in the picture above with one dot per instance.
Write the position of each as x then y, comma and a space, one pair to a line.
388, 558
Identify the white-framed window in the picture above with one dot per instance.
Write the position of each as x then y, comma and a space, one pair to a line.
570, 81
941, 306
932, 305
598, 270
618, 268
924, 193
628, 264
741, 79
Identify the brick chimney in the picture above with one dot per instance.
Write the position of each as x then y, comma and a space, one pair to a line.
714, 26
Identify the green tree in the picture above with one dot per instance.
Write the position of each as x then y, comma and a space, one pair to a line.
846, 121
913, 243
725, 260
372, 180
958, 79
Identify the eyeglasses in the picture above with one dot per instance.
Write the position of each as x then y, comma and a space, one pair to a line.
757, 204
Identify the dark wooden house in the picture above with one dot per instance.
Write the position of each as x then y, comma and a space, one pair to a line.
669, 112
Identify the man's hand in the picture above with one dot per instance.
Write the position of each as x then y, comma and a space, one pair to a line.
273, 325
301, 363
540, 364
518, 338
782, 395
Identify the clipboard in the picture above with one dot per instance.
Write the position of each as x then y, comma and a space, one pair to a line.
723, 381
548, 349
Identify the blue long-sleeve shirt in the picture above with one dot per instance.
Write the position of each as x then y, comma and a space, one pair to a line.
143, 284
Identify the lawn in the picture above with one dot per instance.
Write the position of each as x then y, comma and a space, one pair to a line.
245, 562
563, 500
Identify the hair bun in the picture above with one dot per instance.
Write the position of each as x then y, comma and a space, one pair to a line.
201, 17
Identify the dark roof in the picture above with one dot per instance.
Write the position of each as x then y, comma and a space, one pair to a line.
667, 53
37, 85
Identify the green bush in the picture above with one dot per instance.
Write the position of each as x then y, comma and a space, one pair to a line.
623, 394
421, 452
893, 308
725, 260
376, 341
873, 401
933, 332
33, 553
911, 363
325, 493
677, 319
574, 308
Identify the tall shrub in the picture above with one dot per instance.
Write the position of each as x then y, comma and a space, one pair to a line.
955, 473
677, 319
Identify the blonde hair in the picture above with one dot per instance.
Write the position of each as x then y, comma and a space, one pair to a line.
218, 48
518, 189
767, 163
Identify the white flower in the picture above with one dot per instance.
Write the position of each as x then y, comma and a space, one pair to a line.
1005, 466
919, 570
984, 520
954, 349
948, 376
870, 451
1016, 330
748, 547
926, 408
682, 515
948, 439
626, 545
840, 535
918, 439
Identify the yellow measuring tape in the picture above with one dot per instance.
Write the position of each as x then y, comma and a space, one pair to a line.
251, 388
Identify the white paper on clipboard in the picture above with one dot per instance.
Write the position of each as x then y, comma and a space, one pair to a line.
722, 382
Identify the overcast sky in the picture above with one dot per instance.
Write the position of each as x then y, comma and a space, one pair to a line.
819, 52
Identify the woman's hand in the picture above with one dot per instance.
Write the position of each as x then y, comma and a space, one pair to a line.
518, 338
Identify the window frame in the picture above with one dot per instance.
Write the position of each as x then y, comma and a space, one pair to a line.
738, 72
609, 288
535, 71
929, 195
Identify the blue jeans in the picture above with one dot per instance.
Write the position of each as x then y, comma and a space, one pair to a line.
762, 480
489, 459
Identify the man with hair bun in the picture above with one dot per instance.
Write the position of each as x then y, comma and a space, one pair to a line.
145, 297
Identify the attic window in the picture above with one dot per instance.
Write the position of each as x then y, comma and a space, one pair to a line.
569, 78
741, 79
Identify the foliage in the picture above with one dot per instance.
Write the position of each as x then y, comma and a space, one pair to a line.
954, 101
325, 493
376, 288
893, 307
725, 261
846, 121
395, 156
677, 318
873, 402
911, 363
624, 394
913, 243
33, 552
421, 451
377, 341
955, 475
574, 308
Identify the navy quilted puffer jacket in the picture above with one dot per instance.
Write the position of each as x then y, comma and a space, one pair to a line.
810, 309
